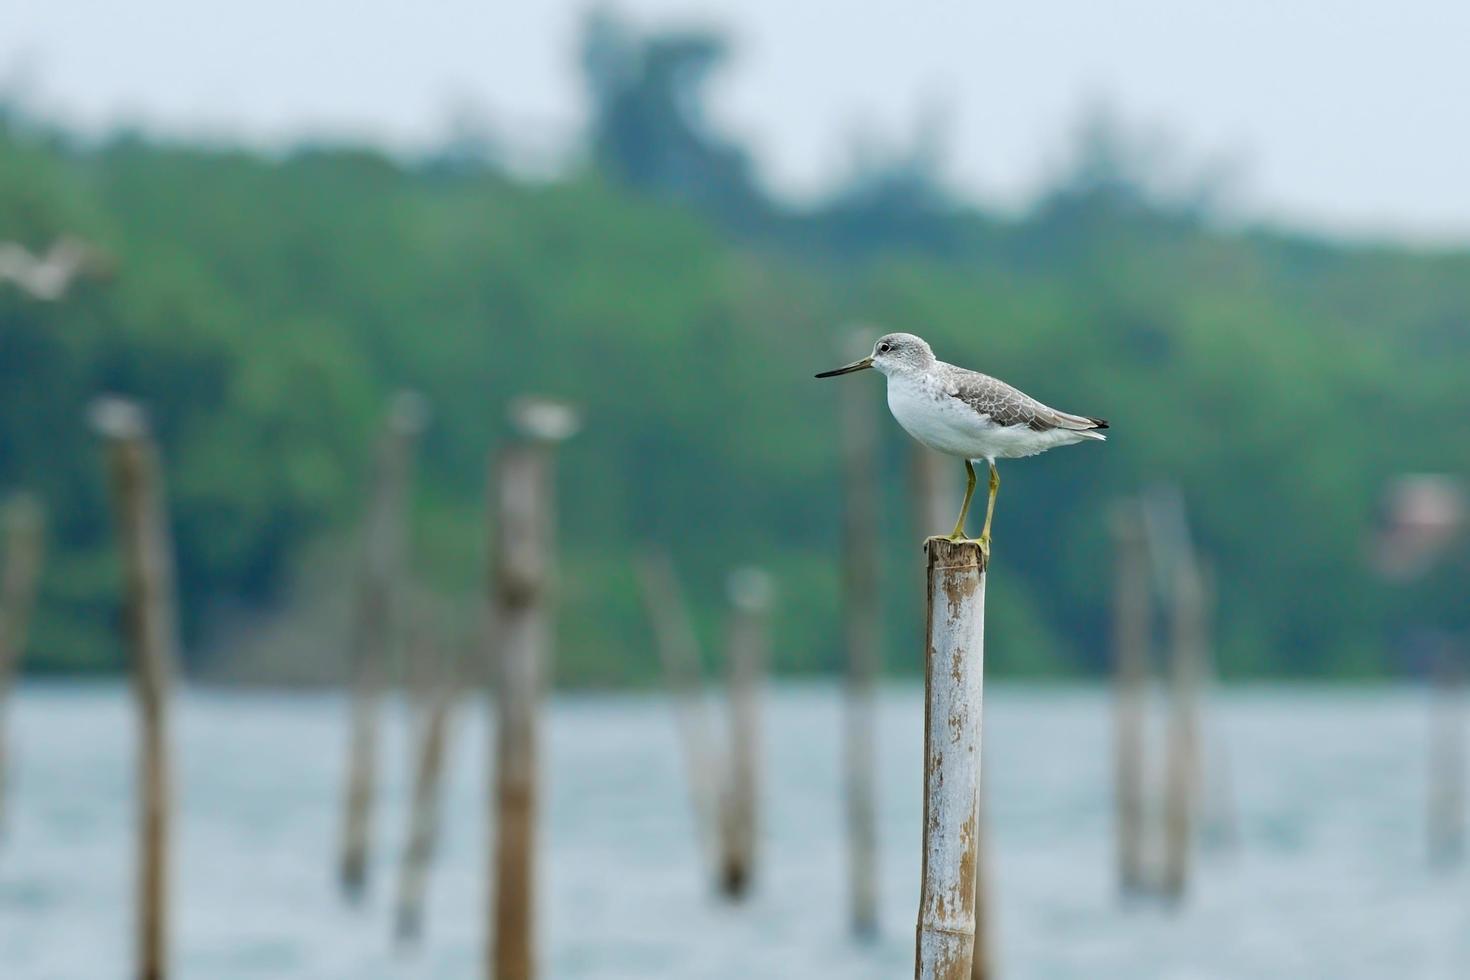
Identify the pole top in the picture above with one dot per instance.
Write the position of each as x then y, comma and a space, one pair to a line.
545, 420
408, 412
750, 589
114, 417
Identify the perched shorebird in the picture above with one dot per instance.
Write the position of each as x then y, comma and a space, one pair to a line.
967, 414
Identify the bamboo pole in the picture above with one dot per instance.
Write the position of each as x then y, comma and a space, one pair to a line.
523, 550
937, 499
147, 556
418, 855
678, 649
1446, 816
374, 623
1182, 760
1131, 640
24, 543
954, 665
863, 633
750, 595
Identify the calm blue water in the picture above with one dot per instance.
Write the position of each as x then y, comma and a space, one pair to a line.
1329, 880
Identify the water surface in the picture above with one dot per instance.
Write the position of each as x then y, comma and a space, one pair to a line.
1329, 878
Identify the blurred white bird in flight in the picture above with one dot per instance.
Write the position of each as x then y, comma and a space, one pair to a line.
967, 414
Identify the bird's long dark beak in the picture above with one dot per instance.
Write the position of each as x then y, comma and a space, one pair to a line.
862, 365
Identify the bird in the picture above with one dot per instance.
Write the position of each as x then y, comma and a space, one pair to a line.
967, 414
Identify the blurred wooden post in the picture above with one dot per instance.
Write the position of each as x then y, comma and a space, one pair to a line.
24, 541
1182, 762
374, 623
524, 553
678, 649
862, 623
418, 854
1219, 830
147, 557
937, 484
1131, 640
1447, 757
750, 595
954, 664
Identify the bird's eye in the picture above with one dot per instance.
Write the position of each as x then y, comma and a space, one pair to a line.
884, 348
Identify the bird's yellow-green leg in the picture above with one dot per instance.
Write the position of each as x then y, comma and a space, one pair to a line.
959, 525
989, 510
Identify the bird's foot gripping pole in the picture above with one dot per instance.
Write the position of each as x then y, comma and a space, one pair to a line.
989, 511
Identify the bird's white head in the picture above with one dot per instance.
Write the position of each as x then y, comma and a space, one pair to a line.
898, 352
894, 353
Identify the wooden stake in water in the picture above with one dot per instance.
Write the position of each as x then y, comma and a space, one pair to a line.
936, 499
24, 540
678, 649
442, 695
374, 625
1182, 760
750, 596
862, 634
1447, 757
1131, 640
954, 665
147, 557
524, 550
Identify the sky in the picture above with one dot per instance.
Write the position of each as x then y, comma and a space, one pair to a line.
1345, 116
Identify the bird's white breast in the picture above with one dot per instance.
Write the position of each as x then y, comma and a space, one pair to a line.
932, 416
943, 422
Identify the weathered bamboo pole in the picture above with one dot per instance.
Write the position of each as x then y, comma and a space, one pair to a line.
1446, 816
861, 601
1182, 759
147, 556
1131, 641
678, 649
524, 549
439, 703
937, 498
954, 664
750, 595
373, 630
24, 543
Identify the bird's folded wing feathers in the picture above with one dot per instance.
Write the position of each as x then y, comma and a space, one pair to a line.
1007, 406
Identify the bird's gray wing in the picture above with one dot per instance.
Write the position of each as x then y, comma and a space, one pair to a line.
1008, 406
